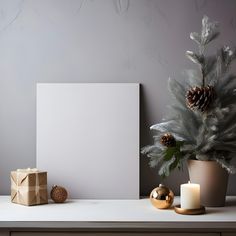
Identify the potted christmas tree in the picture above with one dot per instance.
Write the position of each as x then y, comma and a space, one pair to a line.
200, 126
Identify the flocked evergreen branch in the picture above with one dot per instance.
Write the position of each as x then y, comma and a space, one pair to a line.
200, 123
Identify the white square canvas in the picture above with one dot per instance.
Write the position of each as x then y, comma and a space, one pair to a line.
88, 138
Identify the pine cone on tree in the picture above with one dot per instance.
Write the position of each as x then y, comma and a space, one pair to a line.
199, 98
168, 140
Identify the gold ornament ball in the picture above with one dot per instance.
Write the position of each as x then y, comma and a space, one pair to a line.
162, 197
58, 194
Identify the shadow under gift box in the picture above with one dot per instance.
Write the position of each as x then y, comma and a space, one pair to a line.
29, 187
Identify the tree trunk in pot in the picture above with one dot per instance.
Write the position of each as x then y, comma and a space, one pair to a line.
213, 180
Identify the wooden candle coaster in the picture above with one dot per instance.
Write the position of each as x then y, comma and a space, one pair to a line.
183, 211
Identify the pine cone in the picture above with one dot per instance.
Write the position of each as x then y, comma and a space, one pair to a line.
199, 98
168, 140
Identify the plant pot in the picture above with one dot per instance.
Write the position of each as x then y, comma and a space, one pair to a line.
213, 180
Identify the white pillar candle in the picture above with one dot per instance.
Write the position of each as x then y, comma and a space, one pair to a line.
190, 196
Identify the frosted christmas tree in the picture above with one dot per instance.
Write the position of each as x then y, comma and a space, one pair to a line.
200, 123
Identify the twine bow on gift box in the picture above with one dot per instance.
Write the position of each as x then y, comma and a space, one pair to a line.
29, 170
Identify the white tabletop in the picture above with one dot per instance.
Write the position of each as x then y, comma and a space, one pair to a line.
111, 213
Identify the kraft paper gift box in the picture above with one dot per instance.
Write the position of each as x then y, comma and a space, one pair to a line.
29, 187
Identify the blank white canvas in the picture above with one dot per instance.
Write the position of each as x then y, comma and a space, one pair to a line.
88, 138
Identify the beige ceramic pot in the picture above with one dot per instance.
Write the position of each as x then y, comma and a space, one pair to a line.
213, 180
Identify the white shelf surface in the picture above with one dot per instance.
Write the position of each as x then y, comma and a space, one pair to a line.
111, 213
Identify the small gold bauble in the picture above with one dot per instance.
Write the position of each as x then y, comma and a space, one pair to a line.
162, 197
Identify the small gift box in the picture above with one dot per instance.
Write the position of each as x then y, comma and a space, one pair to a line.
29, 187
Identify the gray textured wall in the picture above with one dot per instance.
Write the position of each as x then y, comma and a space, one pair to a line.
96, 41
